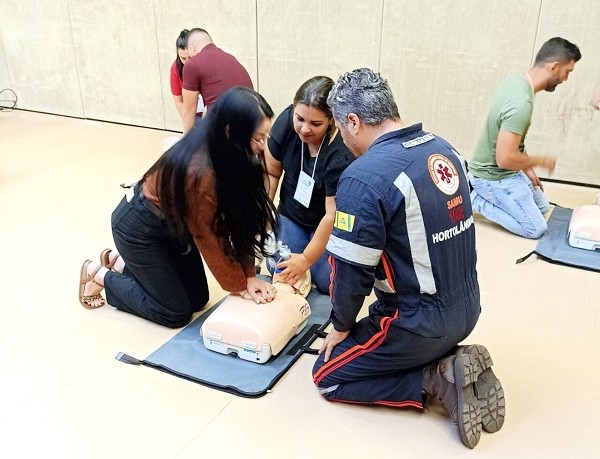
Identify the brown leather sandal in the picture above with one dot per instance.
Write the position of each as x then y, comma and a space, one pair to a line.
87, 300
105, 259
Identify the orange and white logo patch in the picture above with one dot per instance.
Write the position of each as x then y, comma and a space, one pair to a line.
443, 173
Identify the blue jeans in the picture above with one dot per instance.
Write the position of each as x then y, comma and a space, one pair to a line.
297, 238
513, 203
164, 279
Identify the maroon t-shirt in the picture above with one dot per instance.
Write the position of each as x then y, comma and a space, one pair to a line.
213, 71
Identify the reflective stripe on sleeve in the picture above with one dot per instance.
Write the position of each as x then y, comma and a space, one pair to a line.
355, 253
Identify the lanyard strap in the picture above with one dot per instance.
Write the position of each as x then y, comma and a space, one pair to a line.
316, 158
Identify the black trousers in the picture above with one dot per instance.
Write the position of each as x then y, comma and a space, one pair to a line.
164, 279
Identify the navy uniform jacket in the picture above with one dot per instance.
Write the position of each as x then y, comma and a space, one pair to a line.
404, 226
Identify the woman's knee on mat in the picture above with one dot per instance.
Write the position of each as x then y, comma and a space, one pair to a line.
175, 321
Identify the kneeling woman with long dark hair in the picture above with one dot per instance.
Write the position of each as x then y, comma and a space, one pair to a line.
206, 196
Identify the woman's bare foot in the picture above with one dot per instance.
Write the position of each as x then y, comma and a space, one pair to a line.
91, 284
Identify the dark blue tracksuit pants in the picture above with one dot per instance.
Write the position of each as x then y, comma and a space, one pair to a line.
381, 362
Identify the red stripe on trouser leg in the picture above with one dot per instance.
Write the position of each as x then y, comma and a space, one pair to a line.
406, 404
356, 351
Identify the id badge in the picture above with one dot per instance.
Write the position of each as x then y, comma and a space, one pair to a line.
304, 189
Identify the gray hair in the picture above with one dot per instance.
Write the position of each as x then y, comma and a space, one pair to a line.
364, 93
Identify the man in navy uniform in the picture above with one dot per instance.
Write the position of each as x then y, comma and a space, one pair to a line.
403, 226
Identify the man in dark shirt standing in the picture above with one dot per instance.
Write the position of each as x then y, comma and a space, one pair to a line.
209, 71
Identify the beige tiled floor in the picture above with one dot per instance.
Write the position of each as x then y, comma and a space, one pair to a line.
63, 395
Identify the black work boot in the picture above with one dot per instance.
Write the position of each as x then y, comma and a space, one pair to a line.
450, 380
488, 388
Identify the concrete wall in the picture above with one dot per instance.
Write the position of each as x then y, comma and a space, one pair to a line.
110, 59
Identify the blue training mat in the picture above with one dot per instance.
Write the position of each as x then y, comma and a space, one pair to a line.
554, 246
185, 356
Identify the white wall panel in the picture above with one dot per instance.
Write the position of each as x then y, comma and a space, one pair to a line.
118, 60
444, 60
231, 24
564, 124
110, 59
4, 75
39, 55
299, 39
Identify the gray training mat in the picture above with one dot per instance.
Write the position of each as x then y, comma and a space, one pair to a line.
554, 246
185, 356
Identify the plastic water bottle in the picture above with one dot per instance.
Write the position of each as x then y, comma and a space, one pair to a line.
270, 245
284, 254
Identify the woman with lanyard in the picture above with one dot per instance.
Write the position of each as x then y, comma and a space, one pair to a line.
306, 148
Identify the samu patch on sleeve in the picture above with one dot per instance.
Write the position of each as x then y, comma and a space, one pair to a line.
343, 221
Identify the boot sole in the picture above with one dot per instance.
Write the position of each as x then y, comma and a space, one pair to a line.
488, 389
468, 415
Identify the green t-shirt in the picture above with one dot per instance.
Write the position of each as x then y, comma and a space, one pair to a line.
511, 111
